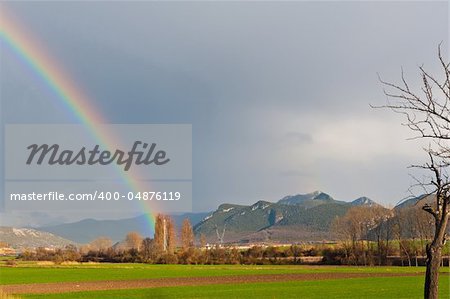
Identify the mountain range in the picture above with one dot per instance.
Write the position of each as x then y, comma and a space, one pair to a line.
293, 218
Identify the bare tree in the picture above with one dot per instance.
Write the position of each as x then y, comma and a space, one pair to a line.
164, 233
423, 227
159, 233
100, 244
353, 229
348, 229
187, 235
202, 241
402, 226
381, 230
148, 250
171, 236
427, 114
133, 240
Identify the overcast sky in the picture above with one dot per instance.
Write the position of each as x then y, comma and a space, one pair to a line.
278, 93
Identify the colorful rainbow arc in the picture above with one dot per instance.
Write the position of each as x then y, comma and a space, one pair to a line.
30, 52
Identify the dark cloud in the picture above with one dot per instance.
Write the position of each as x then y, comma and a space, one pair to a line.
261, 83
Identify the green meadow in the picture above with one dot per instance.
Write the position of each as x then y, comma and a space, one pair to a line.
31, 272
394, 287
371, 287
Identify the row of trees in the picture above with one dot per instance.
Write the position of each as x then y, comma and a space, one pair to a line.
134, 248
149, 252
294, 254
370, 234
164, 239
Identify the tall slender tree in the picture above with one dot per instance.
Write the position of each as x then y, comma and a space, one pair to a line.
159, 233
171, 236
164, 234
187, 235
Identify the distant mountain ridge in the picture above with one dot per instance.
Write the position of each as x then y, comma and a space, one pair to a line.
87, 230
414, 201
293, 218
311, 212
363, 201
31, 238
308, 200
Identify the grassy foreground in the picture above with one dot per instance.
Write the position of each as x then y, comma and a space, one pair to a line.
393, 287
31, 272
372, 287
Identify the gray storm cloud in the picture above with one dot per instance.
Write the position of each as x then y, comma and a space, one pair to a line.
278, 93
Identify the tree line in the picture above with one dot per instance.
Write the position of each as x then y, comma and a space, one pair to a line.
374, 235
366, 236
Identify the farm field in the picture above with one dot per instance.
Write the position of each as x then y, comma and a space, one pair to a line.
33, 280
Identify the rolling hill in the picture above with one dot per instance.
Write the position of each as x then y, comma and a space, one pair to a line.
294, 217
31, 238
87, 230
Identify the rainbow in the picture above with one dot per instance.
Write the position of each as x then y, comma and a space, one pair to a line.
33, 55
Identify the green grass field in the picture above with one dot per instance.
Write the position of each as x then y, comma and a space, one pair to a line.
394, 287
32, 273
375, 287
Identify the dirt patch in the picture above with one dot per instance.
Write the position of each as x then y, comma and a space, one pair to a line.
62, 287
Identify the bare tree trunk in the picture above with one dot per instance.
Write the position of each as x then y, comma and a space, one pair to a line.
415, 252
364, 253
387, 248
402, 246
434, 256
432, 274
379, 249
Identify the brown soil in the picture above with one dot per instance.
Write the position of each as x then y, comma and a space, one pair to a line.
62, 287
